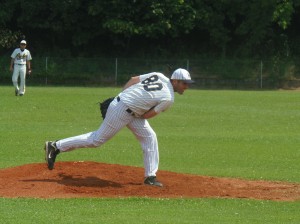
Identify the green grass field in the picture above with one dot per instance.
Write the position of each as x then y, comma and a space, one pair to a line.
245, 134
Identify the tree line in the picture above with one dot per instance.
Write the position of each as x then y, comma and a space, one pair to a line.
152, 28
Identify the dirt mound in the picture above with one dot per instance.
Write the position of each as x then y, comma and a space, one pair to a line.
91, 179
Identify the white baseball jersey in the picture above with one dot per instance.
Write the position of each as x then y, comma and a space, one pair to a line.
153, 90
21, 56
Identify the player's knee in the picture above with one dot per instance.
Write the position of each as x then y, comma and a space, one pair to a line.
97, 142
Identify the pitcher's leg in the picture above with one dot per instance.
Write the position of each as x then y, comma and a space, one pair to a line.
88, 140
116, 118
148, 140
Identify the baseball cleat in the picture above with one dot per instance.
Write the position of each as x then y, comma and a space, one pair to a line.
50, 154
152, 181
16, 92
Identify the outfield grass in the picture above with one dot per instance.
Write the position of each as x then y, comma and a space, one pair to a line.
245, 134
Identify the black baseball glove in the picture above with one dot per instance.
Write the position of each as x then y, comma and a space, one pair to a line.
104, 106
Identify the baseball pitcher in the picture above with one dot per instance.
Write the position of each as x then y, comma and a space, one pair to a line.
143, 97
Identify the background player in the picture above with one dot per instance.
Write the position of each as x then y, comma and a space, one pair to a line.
143, 97
20, 59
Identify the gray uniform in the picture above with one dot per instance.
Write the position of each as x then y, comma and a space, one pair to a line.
153, 91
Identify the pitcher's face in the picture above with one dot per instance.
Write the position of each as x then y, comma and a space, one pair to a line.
180, 86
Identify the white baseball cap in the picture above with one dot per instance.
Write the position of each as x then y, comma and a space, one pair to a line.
23, 42
182, 74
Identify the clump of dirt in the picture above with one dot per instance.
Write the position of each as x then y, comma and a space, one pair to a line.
91, 179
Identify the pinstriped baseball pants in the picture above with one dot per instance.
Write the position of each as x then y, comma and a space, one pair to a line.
116, 118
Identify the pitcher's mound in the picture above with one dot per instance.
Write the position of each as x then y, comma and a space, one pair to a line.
91, 179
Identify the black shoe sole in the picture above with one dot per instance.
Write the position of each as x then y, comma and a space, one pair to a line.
155, 184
